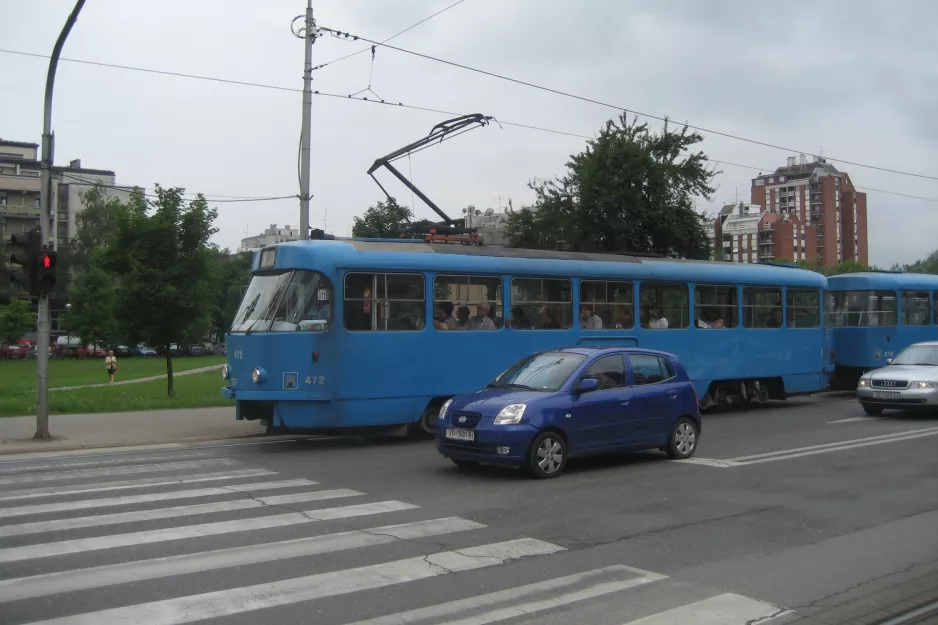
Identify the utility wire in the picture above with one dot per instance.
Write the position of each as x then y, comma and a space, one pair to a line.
566, 94
216, 198
393, 104
348, 56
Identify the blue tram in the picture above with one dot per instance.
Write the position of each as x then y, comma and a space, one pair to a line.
875, 315
342, 334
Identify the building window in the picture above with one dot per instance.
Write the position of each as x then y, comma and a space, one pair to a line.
612, 302
3, 198
804, 308
664, 306
548, 302
460, 303
384, 301
715, 306
916, 308
762, 307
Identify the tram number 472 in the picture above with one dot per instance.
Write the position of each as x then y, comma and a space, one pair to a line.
315, 379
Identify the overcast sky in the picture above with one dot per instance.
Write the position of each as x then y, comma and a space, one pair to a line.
853, 78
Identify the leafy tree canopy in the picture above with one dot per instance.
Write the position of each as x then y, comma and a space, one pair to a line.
91, 316
631, 190
160, 251
16, 320
384, 220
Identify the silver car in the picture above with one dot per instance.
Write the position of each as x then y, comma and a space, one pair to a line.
908, 381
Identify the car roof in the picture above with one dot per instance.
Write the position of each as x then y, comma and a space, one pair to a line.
588, 351
925, 344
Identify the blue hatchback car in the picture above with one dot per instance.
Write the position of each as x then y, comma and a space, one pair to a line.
557, 404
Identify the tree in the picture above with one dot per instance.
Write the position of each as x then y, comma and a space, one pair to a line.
230, 273
93, 299
93, 226
16, 320
159, 250
384, 220
926, 265
631, 190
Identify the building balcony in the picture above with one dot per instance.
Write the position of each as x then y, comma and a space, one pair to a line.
19, 183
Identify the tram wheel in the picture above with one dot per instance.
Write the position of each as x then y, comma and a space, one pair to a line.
426, 427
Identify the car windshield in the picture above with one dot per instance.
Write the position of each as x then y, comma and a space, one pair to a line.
541, 372
285, 302
926, 355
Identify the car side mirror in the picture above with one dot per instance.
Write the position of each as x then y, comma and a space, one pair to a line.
587, 384
888, 361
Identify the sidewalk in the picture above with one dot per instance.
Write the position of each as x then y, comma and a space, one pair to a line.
117, 429
151, 378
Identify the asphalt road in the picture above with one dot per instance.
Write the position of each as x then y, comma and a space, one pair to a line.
786, 511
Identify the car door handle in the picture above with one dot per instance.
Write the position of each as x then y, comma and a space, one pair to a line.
672, 394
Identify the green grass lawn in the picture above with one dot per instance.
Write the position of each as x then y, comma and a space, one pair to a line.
198, 390
20, 375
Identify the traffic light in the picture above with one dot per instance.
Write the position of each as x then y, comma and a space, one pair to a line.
25, 250
45, 271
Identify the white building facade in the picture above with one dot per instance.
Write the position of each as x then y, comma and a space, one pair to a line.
271, 236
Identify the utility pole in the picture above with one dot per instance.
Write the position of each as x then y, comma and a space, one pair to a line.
47, 230
308, 34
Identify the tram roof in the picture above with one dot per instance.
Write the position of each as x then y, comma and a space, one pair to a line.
874, 280
419, 256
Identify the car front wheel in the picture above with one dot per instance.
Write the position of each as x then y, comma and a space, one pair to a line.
682, 443
873, 411
548, 456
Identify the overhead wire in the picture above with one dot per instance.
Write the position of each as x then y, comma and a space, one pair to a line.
346, 35
192, 196
425, 109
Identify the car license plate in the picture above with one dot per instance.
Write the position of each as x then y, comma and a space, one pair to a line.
461, 435
885, 395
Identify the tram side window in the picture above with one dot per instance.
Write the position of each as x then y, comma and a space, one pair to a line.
715, 306
665, 306
379, 301
935, 294
467, 303
541, 303
916, 308
762, 307
606, 305
804, 308
864, 308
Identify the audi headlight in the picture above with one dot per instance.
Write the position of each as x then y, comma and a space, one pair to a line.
864, 382
444, 408
258, 375
225, 372
510, 415
923, 384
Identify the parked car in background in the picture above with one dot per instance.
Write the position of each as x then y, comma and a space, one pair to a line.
554, 405
13, 350
145, 351
907, 382
208, 349
195, 349
33, 351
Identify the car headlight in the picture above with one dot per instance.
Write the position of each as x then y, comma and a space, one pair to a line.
864, 382
510, 415
444, 408
258, 375
923, 384
225, 372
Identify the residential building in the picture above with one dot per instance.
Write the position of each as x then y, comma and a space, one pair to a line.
490, 224
816, 194
271, 236
804, 211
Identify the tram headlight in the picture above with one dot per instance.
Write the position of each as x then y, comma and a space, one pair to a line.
258, 375
225, 372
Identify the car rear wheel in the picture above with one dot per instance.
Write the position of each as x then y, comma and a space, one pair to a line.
873, 411
547, 457
682, 443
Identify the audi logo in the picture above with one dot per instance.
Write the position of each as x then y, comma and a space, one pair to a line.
888, 383
462, 419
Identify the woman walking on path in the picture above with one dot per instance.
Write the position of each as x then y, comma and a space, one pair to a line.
110, 363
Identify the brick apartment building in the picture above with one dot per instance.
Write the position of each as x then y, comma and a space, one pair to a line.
803, 211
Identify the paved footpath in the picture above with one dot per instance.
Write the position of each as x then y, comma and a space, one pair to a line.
115, 429
151, 378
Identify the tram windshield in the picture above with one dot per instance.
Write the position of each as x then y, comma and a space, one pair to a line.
290, 301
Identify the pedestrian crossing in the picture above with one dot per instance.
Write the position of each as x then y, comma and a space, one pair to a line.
184, 538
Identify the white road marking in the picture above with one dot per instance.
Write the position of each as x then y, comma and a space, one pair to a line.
22, 466
81, 545
855, 420
51, 491
39, 527
285, 592
708, 462
52, 476
101, 576
598, 582
726, 609
86, 504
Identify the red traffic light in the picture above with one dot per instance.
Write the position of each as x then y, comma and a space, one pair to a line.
46, 261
